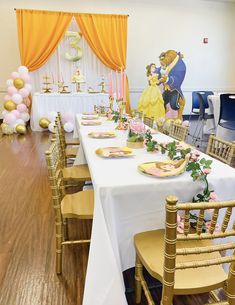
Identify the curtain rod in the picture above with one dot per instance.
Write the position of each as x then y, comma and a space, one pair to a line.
72, 12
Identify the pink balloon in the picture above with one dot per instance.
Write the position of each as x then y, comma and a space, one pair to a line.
24, 92
16, 113
12, 90
9, 118
15, 75
25, 77
68, 117
7, 97
22, 108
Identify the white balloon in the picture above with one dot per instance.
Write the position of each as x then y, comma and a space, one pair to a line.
52, 116
23, 70
25, 116
19, 121
68, 127
17, 98
51, 127
28, 87
9, 82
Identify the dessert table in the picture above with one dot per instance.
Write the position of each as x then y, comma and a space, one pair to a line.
43, 104
128, 202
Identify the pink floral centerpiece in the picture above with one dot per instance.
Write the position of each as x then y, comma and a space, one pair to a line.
136, 134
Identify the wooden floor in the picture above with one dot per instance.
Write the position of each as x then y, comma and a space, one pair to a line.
27, 248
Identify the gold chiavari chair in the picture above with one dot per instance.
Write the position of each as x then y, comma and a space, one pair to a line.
148, 121
70, 152
139, 114
77, 173
68, 142
79, 205
187, 263
221, 150
178, 132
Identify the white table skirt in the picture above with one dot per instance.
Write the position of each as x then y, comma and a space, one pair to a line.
43, 104
127, 202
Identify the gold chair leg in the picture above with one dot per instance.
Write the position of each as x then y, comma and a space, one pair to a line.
59, 247
138, 288
231, 285
65, 229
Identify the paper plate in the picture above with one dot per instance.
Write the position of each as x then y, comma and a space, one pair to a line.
90, 117
114, 152
90, 123
162, 169
101, 134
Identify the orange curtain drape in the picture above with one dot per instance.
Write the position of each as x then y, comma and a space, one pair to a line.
107, 37
39, 33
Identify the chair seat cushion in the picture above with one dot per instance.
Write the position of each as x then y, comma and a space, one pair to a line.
150, 249
78, 205
72, 142
228, 124
78, 173
71, 152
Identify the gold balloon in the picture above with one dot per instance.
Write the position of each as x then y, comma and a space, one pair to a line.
6, 129
18, 83
9, 105
44, 123
4, 126
21, 129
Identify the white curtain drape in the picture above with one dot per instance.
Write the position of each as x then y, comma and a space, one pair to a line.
58, 67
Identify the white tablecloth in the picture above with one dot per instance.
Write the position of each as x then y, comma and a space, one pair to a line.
43, 104
127, 202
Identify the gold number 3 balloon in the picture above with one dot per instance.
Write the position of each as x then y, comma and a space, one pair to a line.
74, 45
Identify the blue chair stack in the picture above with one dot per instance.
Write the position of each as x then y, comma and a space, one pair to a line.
226, 125
199, 106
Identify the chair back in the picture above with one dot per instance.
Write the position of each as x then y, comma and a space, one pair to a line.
55, 175
227, 107
148, 121
178, 132
139, 115
172, 238
195, 99
59, 137
221, 150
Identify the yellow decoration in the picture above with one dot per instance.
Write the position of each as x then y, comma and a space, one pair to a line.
107, 37
9, 105
44, 123
74, 44
18, 83
21, 129
6, 129
151, 102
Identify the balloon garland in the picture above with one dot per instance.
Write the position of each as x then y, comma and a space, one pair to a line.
15, 113
48, 122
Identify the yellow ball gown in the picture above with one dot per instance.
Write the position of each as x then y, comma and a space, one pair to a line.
151, 102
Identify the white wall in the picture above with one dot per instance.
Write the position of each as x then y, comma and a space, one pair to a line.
154, 26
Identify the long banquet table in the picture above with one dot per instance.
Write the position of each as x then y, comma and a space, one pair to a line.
43, 104
127, 202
